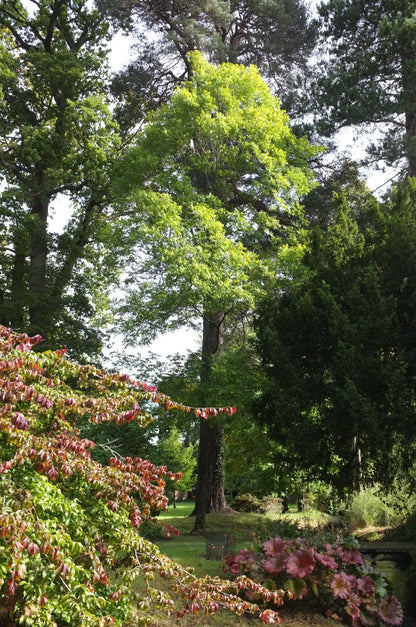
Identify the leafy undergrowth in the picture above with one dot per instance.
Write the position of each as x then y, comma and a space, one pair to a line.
405, 532
189, 551
290, 616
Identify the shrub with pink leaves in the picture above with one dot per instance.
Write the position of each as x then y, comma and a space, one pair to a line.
71, 547
333, 577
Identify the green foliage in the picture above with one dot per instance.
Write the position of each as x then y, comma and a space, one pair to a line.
367, 509
338, 348
406, 531
212, 187
400, 496
58, 137
170, 451
210, 195
321, 496
368, 78
70, 547
275, 36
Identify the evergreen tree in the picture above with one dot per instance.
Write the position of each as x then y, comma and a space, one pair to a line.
275, 35
369, 80
338, 346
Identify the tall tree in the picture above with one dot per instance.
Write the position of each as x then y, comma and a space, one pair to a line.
369, 79
275, 35
56, 138
338, 346
212, 188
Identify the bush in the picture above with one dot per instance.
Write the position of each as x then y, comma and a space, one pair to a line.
321, 497
401, 497
333, 577
248, 503
272, 504
367, 509
404, 531
71, 548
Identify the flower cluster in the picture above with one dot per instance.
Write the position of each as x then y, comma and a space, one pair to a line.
334, 576
70, 543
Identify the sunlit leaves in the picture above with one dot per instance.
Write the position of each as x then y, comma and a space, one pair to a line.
70, 548
209, 193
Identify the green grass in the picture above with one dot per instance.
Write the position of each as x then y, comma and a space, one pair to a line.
182, 510
189, 551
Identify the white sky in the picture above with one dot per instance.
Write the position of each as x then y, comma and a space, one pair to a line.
120, 51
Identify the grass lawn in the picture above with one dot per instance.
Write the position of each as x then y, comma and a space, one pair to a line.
189, 551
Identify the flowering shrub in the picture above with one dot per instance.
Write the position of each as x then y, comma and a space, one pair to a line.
335, 576
70, 547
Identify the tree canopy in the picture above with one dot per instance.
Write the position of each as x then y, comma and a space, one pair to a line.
57, 138
338, 348
368, 77
211, 191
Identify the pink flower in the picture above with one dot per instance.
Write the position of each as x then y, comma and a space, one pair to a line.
325, 560
234, 568
269, 567
274, 547
300, 564
341, 585
390, 611
242, 558
353, 606
366, 585
302, 543
275, 565
352, 556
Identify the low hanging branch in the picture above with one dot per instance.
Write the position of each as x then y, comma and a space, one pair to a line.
70, 547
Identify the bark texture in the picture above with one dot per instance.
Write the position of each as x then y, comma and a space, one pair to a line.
209, 494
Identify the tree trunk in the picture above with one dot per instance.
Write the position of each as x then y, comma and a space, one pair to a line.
14, 316
357, 469
411, 142
38, 309
204, 474
409, 98
217, 501
209, 493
